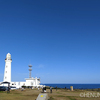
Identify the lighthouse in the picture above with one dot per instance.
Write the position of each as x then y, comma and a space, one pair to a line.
7, 71
31, 81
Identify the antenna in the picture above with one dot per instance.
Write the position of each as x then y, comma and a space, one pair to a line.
30, 69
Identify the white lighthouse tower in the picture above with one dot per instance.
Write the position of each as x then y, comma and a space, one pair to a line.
7, 71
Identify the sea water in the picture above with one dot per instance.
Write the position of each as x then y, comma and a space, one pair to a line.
75, 86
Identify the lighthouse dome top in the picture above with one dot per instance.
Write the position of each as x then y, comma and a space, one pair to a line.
8, 56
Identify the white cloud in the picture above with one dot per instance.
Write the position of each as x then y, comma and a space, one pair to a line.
41, 66
22, 73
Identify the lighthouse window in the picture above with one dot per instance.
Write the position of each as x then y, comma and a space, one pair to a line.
31, 83
5, 77
6, 66
6, 71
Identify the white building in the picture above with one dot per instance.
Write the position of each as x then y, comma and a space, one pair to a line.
35, 82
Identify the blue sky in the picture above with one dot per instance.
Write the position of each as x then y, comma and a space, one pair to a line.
60, 38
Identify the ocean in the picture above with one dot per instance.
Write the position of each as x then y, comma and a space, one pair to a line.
75, 86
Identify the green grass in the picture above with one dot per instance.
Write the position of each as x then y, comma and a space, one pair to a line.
70, 97
58, 92
29, 94
51, 98
2, 91
61, 96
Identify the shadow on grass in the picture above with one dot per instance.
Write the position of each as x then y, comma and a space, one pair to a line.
2, 91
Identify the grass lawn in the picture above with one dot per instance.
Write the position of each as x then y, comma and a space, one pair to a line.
60, 94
